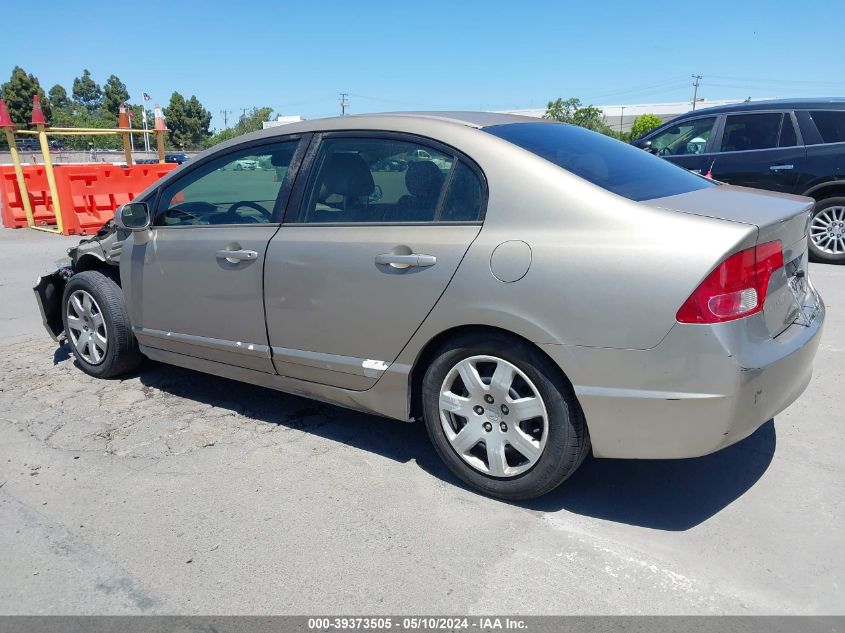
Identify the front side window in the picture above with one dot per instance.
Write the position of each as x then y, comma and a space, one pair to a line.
751, 131
617, 167
830, 124
686, 137
238, 188
364, 180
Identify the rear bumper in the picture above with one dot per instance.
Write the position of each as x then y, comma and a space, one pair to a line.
701, 389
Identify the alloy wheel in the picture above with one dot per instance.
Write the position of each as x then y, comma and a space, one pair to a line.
827, 230
493, 416
87, 327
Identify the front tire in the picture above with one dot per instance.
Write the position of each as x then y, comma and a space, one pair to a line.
827, 231
502, 417
97, 325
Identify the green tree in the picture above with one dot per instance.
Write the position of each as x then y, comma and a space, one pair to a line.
188, 122
574, 112
250, 121
87, 92
115, 93
18, 92
58, 97
644, 124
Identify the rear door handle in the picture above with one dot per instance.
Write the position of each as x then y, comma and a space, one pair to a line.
236, 256
414, 260
780, 167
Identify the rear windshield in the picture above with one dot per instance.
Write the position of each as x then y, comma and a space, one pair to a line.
623, 169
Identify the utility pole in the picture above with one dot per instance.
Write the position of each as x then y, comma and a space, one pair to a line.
695, 92
225, 114
621, 114
344, 102
243, 112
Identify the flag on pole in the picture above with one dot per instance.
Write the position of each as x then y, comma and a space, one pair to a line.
147, 97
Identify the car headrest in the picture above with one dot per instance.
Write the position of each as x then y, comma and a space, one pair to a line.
347, 175
423, 179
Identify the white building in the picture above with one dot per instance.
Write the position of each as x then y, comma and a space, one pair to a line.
282, 120
620, 117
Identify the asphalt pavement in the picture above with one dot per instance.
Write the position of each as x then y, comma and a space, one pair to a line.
174, 492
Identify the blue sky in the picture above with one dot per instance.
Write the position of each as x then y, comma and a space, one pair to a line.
398, 55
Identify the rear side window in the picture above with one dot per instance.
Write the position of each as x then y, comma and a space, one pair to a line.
366, 180
464, 198
751, 131
610, 164
830, 124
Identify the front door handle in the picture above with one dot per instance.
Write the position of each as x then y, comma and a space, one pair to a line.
780, 167
233, 257
414, 260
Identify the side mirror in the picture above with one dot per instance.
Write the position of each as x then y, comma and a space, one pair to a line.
134, 216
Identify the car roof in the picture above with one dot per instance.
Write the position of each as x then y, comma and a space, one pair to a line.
419, 122
829, 103
391, 119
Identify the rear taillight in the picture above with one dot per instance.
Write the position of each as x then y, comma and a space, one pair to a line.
736, 288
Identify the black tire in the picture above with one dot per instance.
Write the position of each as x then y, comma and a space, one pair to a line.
122, 353
568, 441
816, 253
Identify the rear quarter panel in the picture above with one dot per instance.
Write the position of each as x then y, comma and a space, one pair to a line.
605, 271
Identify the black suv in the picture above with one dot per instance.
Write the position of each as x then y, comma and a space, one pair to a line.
791, 146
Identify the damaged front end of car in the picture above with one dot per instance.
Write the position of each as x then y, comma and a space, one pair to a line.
100, 251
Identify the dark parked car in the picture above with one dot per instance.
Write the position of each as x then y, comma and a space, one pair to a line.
790, 146
177, 158
29, 144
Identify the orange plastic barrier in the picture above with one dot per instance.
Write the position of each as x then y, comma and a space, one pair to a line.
14, 216
90, 194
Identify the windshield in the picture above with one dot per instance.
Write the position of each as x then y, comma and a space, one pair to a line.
606, 162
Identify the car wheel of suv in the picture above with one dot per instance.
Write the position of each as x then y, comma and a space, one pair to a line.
827, 231
97, 325
502, 417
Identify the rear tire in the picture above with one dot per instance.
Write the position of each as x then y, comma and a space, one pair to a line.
505, 453
97, 325
827, 231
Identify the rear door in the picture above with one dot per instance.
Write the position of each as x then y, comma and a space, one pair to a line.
687, 143
359, 264
761, 150
196, 285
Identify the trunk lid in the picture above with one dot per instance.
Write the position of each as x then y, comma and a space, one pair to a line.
790, 296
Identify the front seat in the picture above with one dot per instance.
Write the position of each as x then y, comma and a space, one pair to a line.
347, 176
423, 180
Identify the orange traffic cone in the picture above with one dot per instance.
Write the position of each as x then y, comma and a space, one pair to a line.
159, 125
37, 112
5, 119
122, 117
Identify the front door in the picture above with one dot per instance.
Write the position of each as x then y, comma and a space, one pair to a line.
195, 286
760, 150
382, 227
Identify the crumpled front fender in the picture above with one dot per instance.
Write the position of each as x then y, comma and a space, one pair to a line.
48, 295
